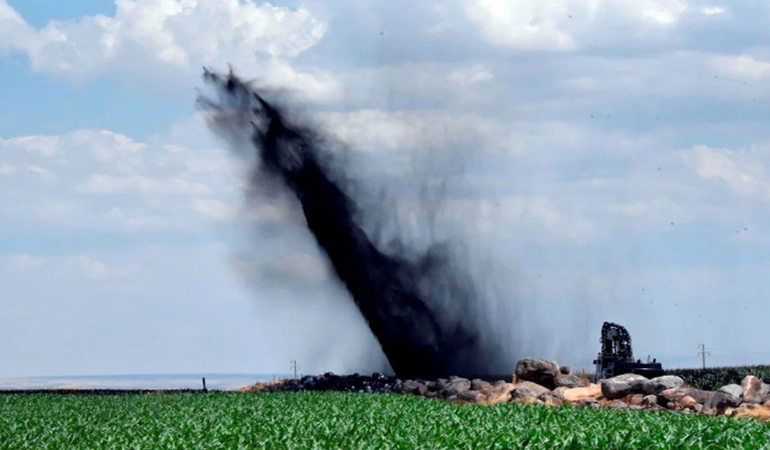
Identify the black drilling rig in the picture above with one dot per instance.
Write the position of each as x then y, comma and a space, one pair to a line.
617, 356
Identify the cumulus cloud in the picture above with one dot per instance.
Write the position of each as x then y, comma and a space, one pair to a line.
172, 32
527, 25
469, 76
24, 262
712, 10
561, 24
741, 67
659, 12
14, 30
215, 209
99, 179
147, 37
375, 130
45, 145
44, 174
742, 171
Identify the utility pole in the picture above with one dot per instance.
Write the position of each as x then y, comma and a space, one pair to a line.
294, 367
703, 353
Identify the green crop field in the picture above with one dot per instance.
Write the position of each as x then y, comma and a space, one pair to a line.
347, 421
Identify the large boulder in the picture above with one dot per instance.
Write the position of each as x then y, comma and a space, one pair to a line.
676, 395
617, 404
623, 385
537, 371
688, 402
469, 396
559, 391
568, 381
550, 398
500, 393
733, 390
415, 387
480, 385
650, 401
528, 389
755, 391
582, 394
719, 402
440, 385
455, 386
659, 384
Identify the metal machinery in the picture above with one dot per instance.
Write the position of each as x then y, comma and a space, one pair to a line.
617, 356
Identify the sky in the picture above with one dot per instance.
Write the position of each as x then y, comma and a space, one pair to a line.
606, 160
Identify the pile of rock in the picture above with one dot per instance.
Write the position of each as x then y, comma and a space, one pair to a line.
541, 382
545, 383
376, 383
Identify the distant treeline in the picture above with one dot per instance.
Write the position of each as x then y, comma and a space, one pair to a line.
712, 378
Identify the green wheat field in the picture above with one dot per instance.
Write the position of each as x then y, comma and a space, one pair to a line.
347, 421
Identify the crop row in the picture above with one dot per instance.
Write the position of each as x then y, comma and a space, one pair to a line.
347, 421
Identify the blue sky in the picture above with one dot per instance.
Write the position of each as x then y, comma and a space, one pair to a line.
614, 158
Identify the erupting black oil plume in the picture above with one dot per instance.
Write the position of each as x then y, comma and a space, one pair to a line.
422, 336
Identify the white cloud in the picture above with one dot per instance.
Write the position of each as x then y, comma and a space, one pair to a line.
742, 171
214, 209
712, 10
159, 39
374, 130
173, 32
14, 30
315, 86
470, 76
110, 147
45, 145
561, 24
25, 262
662, 12
45, 175
98, 179
530, 25
742, 67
